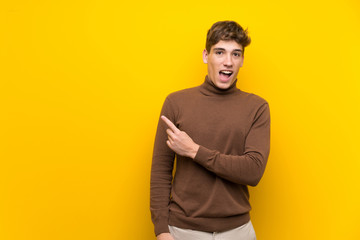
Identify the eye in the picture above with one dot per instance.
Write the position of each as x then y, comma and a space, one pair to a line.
236, 54
218, 52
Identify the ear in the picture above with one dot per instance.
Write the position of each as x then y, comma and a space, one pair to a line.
242, 60
205, 56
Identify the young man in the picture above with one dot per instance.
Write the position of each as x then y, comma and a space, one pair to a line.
220, 137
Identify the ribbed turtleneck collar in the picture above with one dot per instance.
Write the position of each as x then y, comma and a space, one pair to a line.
208, 88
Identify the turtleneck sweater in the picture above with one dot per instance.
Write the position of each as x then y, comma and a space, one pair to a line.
210, 192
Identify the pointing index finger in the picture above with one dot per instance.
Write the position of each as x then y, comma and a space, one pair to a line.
169, 123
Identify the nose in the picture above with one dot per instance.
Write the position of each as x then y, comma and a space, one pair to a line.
228, 61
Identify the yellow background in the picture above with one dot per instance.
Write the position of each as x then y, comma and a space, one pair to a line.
81, 88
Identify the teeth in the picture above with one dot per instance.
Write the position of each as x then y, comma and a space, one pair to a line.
226, 72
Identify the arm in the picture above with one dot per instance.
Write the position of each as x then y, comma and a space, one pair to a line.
242, 169
161, 176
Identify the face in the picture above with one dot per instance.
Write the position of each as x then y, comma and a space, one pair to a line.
224, 61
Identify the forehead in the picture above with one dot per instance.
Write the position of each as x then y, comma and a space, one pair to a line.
229, 45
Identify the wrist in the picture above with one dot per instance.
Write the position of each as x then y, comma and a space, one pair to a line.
194, 150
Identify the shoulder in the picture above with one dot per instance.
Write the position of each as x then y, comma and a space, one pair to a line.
253, 99
175, 101
182, 94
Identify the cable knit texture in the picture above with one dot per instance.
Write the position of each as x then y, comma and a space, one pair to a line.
209, 193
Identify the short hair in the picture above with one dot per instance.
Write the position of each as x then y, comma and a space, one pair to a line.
227, 30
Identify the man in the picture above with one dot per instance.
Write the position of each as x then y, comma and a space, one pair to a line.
220, 137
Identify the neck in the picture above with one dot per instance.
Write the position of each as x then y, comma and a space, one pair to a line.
209, 88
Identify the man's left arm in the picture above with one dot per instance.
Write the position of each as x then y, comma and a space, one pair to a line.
244, 169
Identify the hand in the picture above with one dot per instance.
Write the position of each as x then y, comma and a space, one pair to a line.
179, 141
164, 236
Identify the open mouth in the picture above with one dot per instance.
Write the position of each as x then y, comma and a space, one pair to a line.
225, 75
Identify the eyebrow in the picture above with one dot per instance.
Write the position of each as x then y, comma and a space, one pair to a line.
223, 49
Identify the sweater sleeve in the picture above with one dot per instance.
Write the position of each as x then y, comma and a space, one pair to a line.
161, 174
244, 169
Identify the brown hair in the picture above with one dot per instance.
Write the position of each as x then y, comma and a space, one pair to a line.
227, 30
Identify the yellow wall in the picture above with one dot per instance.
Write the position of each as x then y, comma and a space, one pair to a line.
82, 84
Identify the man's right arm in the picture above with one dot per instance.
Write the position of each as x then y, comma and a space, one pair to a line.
161, 176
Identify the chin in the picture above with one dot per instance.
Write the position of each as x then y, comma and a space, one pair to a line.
223, 85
